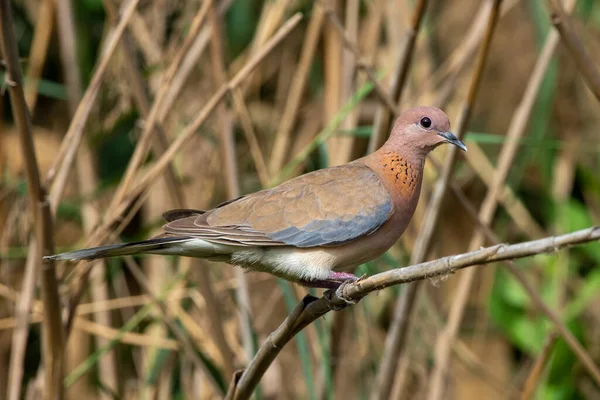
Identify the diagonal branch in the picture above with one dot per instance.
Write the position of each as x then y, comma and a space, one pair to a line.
311, 308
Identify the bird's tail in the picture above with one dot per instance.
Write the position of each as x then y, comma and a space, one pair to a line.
121, 249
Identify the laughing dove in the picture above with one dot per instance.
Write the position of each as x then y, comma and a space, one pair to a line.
310, 228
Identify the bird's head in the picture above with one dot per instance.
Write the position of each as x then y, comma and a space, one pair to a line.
423, 129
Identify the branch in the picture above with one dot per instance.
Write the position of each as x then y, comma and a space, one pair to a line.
311, 308
53, 342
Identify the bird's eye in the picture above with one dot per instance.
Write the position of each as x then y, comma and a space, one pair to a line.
425, 122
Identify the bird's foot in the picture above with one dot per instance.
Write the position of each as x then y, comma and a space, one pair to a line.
335, 282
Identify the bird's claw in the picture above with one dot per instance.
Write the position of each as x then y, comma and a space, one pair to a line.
331, 296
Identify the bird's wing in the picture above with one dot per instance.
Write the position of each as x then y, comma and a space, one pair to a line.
327, 207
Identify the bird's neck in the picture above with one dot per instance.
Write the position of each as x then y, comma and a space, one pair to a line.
400, 172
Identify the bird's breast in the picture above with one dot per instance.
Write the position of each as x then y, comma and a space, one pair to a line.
401, 175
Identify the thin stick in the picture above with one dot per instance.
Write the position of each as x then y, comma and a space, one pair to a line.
311, 308
580, 57
53, 342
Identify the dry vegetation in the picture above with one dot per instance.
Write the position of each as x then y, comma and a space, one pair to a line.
142, 106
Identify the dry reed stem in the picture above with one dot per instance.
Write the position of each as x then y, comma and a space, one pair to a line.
243, 114
532, 292
53, 335
102, 232
521, 217
105, 332
141, 149
87, 182
405, 55
580, 57
349, 64
351, 45
58, 174
447, 75
21, 332
38, 52
279, 152
486, 213
99, 291
484, 371
181, 334
68, 47
405, 307
159, 145
311, 308
139, 91
537, 369
229, 164
332, 82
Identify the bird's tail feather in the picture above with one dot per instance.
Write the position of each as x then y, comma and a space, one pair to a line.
121, 249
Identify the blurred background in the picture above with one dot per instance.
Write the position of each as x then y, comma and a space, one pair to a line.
307, 105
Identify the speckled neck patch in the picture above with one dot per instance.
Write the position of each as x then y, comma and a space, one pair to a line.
400, 172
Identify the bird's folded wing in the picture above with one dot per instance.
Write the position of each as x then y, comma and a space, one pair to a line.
324, 208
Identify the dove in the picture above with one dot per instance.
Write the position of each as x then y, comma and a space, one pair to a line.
316, 227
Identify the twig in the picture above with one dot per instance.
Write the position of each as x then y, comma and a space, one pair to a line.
398, 333
382, 116
53, 342
311, 308
486, 214
582, 60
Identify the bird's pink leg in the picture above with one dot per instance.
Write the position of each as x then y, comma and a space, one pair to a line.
333, 281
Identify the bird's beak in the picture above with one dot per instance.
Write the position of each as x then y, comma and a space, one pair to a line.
451, 138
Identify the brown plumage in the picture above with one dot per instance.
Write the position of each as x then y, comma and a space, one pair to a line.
312, 227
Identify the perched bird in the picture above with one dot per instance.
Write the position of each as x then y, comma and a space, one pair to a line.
314, 228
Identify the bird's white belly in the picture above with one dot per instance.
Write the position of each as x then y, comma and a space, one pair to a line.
287, 262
